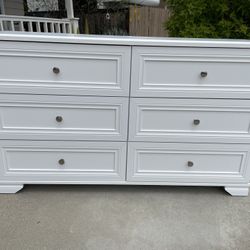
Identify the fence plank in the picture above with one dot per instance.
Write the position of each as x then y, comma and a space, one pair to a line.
147, 21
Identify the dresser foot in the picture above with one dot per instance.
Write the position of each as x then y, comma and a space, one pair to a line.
237, 191
10, 189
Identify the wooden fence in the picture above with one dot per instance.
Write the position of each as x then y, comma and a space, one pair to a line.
99, 24
147, 21
134, 21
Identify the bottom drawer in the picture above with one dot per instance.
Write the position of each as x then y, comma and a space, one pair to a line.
32, 161
188, 163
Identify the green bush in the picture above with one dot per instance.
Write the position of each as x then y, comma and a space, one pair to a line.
209, 18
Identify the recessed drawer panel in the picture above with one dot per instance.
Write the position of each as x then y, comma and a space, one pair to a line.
62, 161
190, 72
163, 119
64, 69
195, 163
57, 117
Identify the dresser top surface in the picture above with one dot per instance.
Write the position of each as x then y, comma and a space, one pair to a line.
124, 40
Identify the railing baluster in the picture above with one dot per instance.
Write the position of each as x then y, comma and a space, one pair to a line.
35, 24
12, 26
64, 27
21, 26
45, 27
5, 25
38, 27
70, 27
57, 28
30, 26
52, 27
1, 25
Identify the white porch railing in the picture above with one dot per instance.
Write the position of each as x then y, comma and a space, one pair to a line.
38, 24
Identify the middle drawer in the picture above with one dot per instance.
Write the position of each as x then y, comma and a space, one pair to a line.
154, 119
63, 117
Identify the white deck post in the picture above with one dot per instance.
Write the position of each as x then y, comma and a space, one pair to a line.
70, 8
70, 15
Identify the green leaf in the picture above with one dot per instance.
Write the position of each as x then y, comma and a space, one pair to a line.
209, 18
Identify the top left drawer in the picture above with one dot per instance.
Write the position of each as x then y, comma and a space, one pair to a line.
71, 69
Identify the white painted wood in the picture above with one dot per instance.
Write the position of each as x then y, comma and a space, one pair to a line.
158, 119
38, 23
126, 40
83, 69
38, 28
12, 26
21, 26
120, 182
10, 189
83, 118
91, 93
45, 27
83, 161
237, 191
70, 8
169, 162
74, 24
176, 72
30, 27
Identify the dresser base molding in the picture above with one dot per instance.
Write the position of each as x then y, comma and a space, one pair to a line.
232, 190
10, 189
237, 191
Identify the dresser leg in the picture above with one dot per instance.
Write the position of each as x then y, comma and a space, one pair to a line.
237, 191
10, 189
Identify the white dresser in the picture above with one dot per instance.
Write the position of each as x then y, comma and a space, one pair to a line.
124, 110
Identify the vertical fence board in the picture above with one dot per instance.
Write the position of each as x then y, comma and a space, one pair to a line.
147, 21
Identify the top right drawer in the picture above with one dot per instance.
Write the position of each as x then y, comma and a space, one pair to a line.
190, 72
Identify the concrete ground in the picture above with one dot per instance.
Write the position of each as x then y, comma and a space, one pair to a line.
122, 217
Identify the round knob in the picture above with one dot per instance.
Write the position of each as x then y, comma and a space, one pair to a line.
59, 119
203, 74
196, 122
61, 162
56, 70
190, 164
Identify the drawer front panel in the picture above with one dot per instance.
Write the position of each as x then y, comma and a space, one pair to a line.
190, 72
188, 162
162, 119
62, 161
55, 117
64, 69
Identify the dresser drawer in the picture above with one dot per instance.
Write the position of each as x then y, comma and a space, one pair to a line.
47, 68
62, 161
185, 163
58, 117
164, 119
190, 72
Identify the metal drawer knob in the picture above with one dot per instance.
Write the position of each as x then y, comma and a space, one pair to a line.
61, 162
190, 164
196, 121
56, 70
59, 119
203, 74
